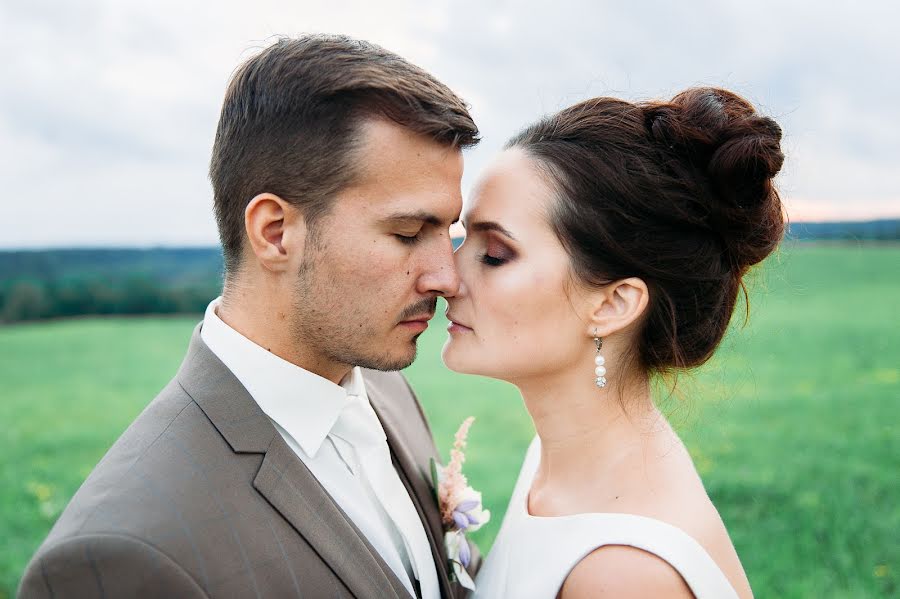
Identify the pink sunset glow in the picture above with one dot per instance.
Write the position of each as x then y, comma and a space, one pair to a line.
805, 210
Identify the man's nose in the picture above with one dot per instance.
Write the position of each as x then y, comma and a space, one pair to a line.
440, 276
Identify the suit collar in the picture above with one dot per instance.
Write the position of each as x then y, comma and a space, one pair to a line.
303, 403
227, 404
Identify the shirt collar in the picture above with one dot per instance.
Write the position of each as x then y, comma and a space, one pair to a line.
301, 402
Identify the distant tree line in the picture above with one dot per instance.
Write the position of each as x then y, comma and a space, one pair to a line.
63, 283
76, 282
875, 230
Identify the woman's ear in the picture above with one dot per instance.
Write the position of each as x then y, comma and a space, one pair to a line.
616, 306
276, 231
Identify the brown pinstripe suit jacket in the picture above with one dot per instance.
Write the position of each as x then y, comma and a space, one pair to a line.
201, 497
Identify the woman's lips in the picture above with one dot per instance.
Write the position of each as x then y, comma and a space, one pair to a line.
455, 327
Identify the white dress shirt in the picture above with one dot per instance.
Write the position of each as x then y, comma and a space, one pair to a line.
307, 410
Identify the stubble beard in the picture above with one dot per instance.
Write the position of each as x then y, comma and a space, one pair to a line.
322, 323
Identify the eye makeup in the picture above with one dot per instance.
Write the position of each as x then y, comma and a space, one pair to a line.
496, 252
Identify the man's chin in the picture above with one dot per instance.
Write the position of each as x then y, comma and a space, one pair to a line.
390, 361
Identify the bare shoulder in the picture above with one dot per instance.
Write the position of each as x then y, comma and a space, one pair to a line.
624, 572
688, 507
672, 492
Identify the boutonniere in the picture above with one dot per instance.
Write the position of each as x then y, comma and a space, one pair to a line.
460, 505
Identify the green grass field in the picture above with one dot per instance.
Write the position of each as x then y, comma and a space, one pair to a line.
793, 424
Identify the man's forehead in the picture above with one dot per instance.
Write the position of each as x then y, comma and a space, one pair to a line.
384, 145
404, 176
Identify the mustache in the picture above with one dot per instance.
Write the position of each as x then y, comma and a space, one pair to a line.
428, 305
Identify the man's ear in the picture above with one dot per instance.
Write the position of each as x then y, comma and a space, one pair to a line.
616, 306
276, 231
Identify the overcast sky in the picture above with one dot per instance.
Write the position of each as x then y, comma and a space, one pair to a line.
108, 107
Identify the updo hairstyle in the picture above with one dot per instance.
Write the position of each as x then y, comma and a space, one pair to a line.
677, 193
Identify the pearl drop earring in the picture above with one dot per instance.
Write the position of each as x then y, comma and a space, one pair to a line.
599, 360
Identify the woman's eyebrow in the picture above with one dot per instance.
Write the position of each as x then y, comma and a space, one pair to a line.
488, 225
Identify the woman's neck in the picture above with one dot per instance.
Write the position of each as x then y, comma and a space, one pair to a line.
586, 430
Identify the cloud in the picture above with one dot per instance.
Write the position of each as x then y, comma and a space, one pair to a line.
108, 109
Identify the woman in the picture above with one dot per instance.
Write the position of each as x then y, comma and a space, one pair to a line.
604, 247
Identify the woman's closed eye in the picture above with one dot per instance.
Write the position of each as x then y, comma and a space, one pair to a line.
492, 260
496, 254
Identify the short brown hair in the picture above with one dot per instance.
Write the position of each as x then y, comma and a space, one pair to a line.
291, 116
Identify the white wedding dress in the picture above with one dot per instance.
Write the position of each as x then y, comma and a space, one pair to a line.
532, 556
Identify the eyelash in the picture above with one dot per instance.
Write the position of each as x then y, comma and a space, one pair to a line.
493, 261
407, 240
486, 259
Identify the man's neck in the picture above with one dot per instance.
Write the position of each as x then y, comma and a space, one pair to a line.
269, 327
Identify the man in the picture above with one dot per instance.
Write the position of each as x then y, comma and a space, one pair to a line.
283, 459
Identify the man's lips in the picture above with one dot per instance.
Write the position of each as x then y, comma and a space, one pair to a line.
422, 318
417, 323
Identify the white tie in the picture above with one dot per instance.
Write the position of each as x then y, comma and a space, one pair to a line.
359, 426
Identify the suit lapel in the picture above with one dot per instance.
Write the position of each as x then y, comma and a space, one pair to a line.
292, 489
415, 472
283, 479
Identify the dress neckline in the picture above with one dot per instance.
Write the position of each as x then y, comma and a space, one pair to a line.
532, 461
560, 542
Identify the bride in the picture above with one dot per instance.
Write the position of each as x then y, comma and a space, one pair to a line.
604, 247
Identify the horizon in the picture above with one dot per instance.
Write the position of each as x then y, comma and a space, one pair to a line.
455, 233
798, 211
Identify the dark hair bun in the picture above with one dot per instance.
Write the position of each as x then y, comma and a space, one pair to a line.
738, 152
677, 192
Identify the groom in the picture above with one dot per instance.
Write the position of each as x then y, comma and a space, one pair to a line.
286, 459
